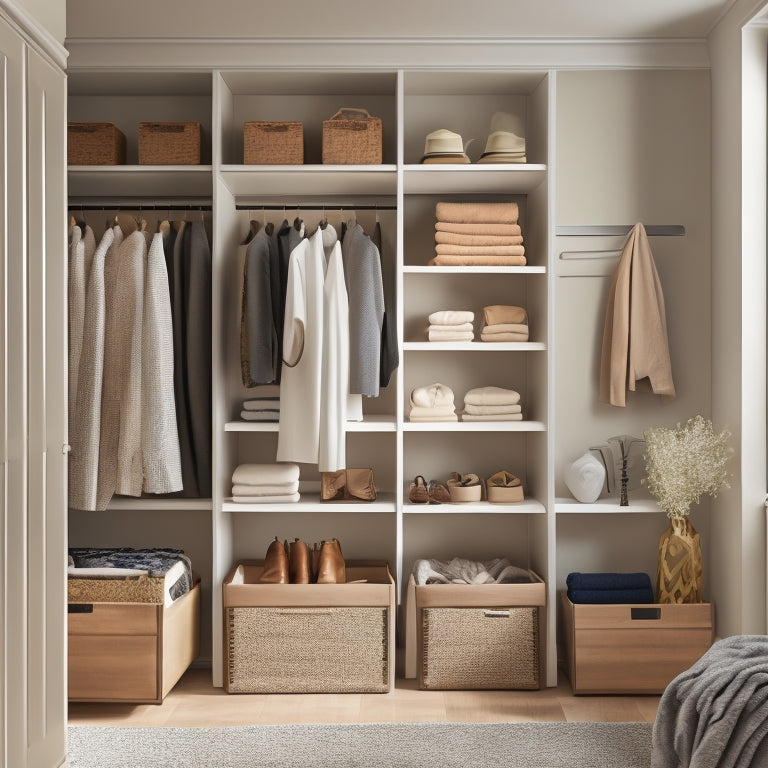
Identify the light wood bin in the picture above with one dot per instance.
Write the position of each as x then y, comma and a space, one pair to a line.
131, 652
169, 143
618, 649
95, 144
273, 143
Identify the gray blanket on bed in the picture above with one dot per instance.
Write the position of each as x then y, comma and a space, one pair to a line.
715, 714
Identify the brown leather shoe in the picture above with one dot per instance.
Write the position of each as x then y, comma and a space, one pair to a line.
331, 569
299, 562
315, 562
275, 564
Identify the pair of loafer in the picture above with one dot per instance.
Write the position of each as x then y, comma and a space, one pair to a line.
501, 487
433, 492
296, 563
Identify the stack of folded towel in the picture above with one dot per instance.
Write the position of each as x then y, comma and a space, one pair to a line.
472, 234
266, 483
265, 406
504, 323
433, 402
599, 588
451, 325
492, 404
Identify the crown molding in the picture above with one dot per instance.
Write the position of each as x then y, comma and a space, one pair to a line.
34, 34
398, 53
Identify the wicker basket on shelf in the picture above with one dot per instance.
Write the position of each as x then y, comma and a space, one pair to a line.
273, 143
169, 143
352, 137
95, 144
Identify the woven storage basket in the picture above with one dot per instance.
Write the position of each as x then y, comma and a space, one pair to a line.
273, 143
352, 137
169, 143
95, 144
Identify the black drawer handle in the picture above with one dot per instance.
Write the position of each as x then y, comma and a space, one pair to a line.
81, 607
646, 614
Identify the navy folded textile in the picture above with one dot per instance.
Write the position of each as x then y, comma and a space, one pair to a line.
608, 581
610, 596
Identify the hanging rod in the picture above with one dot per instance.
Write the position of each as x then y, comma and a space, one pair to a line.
315, 207
600, 230
132, 206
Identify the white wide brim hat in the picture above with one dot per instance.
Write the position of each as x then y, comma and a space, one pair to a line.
504, 143
443, 143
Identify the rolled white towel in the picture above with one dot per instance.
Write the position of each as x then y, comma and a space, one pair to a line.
585, 478
451, 317
492, 396
432, 395
265, 474
274, 489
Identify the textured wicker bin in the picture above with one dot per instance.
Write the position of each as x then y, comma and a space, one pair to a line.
352, 137
95, 144
169, 144
309, 638
273, 143
476, 636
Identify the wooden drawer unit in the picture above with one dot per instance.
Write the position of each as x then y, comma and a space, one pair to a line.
131, 652
633, 648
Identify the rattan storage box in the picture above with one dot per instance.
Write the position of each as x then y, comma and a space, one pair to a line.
273, 143
485, 636
95, 144
169, 143
624, 648
309, 638
352, 137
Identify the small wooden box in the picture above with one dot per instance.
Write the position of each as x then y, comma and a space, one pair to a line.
273, 143
131, 652
169, 143
633, 648
352, 137
95, 144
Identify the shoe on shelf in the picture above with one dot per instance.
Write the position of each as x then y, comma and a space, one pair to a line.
331, 567
438, 492
418, 492
275, 564
505, 488
464, 488
299, 565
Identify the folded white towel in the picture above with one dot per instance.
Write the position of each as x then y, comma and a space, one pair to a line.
438, 410
451, 317
275, 489
585, 478
431, 395
492, 396
260, 403
266, 474
451, 335
291, 498
492, 417
452, 328
453, 417
265, 390
260, 415
487, 410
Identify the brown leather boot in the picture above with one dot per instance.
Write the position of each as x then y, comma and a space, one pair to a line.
331, 569
299, 562
315, 562
275, 564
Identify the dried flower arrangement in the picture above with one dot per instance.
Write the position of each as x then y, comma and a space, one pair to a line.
684, 463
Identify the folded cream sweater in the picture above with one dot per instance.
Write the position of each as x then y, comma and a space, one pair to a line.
504, 313
487, 410
451, 317
492, 396
432, 395
266, 474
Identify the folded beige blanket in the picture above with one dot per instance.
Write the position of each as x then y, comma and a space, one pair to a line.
454, 417
504, 313
451, 317
266, 474
432, 395
492, 396
438, 410
465, 260
485, 213
265, 415
494, 417
480, 250
505, 328
452, 328
464, 228
487, 410
290, 498
450, 335
499, 337
276, 489
455, 238
262, 404
265, 390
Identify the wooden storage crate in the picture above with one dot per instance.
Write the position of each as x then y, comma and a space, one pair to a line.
131, 652
467, 636
273, 143
169, 143
309, 638
95, 144
352, 137
633, 648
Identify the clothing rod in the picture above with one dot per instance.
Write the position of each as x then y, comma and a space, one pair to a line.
315, 207
123, 205
599, 230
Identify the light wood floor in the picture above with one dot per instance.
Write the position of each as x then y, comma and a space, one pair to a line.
194, 702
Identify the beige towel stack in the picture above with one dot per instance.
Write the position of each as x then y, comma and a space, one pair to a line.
433, 402
265, 406
504, 323
492, 404
266, 483
478, 234
451, 325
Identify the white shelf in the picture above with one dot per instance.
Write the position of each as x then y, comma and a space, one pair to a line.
503, 179
474, 426
474, 346
372, 423
298, 181
527, 507
310, 502
160, 504
565, 506
479, 270
146, 181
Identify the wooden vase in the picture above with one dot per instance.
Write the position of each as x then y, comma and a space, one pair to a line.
680, 575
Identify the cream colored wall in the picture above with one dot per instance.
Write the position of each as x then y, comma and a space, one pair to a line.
49, 14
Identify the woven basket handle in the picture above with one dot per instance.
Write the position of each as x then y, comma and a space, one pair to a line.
351, 113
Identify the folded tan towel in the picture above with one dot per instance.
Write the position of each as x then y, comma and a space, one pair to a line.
454, 417
450, 335
265, 390
464, 260
262, 403
438, 410
493, 417
492, 396
451, 317
464, 228
458, 239
499, 337
265, 415
454, 328
504, 313
266, 474
276, 489
505, 328
432, 395
480, 250
290, 498
490, 213
487, 410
